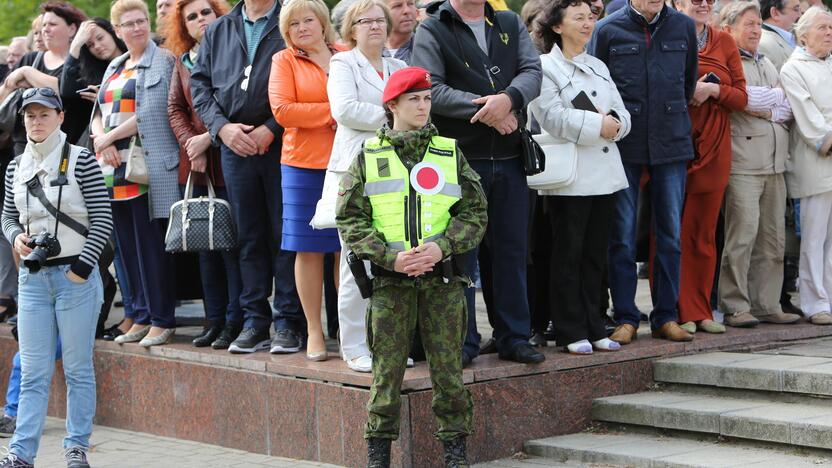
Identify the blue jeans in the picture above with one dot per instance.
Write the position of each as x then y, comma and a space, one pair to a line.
13, 389
253, 185
667, 194
219, 273
503, 251
51, 304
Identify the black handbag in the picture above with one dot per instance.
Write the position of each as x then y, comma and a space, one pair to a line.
200, 224
9, 111
534, 159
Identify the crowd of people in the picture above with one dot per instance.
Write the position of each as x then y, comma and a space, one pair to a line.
702, 132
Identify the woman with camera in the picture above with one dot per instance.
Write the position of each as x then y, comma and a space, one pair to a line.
57, 215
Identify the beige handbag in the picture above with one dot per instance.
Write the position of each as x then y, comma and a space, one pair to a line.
136, 170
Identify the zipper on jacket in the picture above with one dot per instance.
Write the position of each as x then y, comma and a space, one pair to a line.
493, 131
412, 215
419, 212
406, 220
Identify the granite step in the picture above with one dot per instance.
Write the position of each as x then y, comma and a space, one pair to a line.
806, 424
656, 451
809, 375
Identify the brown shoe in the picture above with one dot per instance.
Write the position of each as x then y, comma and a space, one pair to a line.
673, 332
624, 334
779, 317
823, 318
741, 320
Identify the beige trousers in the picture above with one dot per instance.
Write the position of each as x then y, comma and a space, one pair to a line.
752, 260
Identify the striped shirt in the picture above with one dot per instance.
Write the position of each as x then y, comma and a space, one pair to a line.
89, 179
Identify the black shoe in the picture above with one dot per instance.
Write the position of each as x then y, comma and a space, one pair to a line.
7, 426
76, 457
490, 347
523, 353
10, 308
250, 340
455, 456
549, 334
538, 340
378, 452
12, 461
226, 337
112, 333
466, 360
790, 308
209, 334
286, 341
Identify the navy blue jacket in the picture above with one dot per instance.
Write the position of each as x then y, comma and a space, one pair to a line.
220, 69
655, 69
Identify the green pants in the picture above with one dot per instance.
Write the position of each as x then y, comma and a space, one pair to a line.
395, 307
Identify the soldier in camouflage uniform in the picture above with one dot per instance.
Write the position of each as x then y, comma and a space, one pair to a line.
408, 285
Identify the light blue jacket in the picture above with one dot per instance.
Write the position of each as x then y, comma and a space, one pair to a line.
158, 141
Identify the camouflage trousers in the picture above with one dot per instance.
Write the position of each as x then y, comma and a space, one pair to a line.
395, 308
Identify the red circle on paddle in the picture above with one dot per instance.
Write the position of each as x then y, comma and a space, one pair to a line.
428, 178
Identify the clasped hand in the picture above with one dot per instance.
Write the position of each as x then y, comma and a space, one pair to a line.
496, 113
418, 260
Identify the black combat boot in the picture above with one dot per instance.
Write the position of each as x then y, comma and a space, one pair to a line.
378, 452
455, 456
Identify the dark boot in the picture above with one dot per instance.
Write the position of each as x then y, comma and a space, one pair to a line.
455, 456
378, 452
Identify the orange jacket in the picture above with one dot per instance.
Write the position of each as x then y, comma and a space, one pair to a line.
297, 94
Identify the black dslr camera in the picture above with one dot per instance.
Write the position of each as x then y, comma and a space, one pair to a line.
44, 245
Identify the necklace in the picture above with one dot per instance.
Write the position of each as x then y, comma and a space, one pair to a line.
702, 39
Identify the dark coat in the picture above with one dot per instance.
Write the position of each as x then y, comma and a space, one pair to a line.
655, 69
219, 71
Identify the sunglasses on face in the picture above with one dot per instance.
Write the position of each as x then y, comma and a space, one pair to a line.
702, 2
203, 12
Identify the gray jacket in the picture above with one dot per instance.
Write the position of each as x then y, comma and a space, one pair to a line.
158, 141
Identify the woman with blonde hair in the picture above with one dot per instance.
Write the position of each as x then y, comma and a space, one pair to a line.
297, 93
805, 79
356, 82
130, 115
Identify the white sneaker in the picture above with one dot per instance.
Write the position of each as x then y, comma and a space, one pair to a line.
361, 363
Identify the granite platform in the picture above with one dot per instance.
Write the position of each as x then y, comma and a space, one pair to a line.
286, 406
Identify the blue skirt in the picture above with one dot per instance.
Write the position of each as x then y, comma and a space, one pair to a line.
301, 191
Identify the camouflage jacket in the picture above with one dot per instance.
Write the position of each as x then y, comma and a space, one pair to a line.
354, 214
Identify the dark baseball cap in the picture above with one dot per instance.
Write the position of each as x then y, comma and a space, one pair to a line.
44, 96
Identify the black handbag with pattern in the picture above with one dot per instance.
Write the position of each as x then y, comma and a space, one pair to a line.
200, 224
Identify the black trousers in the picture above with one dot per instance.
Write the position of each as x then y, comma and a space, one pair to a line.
580, 230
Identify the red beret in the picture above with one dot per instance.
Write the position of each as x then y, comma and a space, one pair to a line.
406, 80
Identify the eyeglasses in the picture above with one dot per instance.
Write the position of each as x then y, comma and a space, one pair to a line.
702, 2
133, 24
246, 73
48, 92
203, 12
370, 21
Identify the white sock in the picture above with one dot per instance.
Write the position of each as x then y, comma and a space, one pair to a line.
606, 344
580, 347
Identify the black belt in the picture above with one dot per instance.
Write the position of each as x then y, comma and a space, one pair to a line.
61, 261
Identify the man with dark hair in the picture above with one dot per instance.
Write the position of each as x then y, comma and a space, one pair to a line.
651, 53
778, 41
229, 84
485, 70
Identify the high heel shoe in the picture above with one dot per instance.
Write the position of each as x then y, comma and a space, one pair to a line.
317, 356
132, 337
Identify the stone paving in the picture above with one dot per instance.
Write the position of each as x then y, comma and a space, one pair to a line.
115, 448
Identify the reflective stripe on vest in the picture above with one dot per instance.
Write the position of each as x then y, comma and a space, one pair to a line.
398, 209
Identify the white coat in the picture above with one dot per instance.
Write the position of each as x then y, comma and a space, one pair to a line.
600, 171
805, 79
355, 89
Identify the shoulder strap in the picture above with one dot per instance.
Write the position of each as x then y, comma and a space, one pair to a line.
36, 190
38, 60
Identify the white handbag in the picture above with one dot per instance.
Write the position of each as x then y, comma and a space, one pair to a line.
561, 164
324, 217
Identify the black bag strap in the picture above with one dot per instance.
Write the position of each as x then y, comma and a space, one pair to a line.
34, 187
